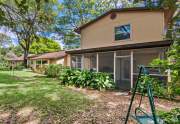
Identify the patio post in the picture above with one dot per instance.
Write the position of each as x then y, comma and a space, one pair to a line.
70, 61
114, 66
131, 68
97, 62
41, 63
82, 61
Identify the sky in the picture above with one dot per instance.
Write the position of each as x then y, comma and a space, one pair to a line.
7, 32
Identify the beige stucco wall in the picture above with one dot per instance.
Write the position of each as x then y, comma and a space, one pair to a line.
60, 61
146, 27
68, 60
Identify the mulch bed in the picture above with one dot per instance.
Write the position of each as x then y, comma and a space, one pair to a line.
111, 107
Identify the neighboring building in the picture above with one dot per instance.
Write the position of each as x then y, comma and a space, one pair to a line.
120, 40
15, 60
47, 58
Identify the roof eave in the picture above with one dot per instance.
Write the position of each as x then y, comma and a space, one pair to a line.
153, 44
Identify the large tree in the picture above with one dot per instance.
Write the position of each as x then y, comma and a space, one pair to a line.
5, 43
26, 18
44, 45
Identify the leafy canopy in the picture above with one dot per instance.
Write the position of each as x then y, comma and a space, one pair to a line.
27, 18
44, 45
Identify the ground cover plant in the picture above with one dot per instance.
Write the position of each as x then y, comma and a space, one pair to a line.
46, 100
171, 117
80, 78
53, 70
86, 78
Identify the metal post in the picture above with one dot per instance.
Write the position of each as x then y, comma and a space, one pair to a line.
133, 95
151, 100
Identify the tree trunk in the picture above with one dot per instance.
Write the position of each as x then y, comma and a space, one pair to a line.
26, 52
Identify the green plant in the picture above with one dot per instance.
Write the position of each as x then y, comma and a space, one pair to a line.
103, 81
85, 78
172, 117
52, 70
19, 67
158, 87
4, 67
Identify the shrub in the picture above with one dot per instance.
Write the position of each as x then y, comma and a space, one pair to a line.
103, 81
172, 117
80, 78
4, 67
158, 87
53, 70
85, 78
173, 86
19, 67
177, 91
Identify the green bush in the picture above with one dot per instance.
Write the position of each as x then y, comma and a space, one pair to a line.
53, 70
158, 87
177, 91
4, 67
172, 88
19, 67
86, 78
80, 78
172, 117
103, 81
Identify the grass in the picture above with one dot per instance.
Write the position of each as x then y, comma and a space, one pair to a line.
43, 94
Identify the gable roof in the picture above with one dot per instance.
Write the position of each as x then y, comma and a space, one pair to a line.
13, 57
52, 55
78, 30
10, 56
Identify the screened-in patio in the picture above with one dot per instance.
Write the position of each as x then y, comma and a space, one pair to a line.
121, 64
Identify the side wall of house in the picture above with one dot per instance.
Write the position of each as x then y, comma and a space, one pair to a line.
146, 26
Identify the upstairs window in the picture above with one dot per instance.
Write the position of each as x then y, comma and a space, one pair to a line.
122, 32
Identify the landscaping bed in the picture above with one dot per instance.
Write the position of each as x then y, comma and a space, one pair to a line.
111, 107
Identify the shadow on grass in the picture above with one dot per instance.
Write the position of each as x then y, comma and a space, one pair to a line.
45, 95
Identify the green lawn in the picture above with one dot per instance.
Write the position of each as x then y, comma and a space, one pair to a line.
44, 95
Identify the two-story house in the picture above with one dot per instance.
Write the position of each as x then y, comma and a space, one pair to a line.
120, 40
